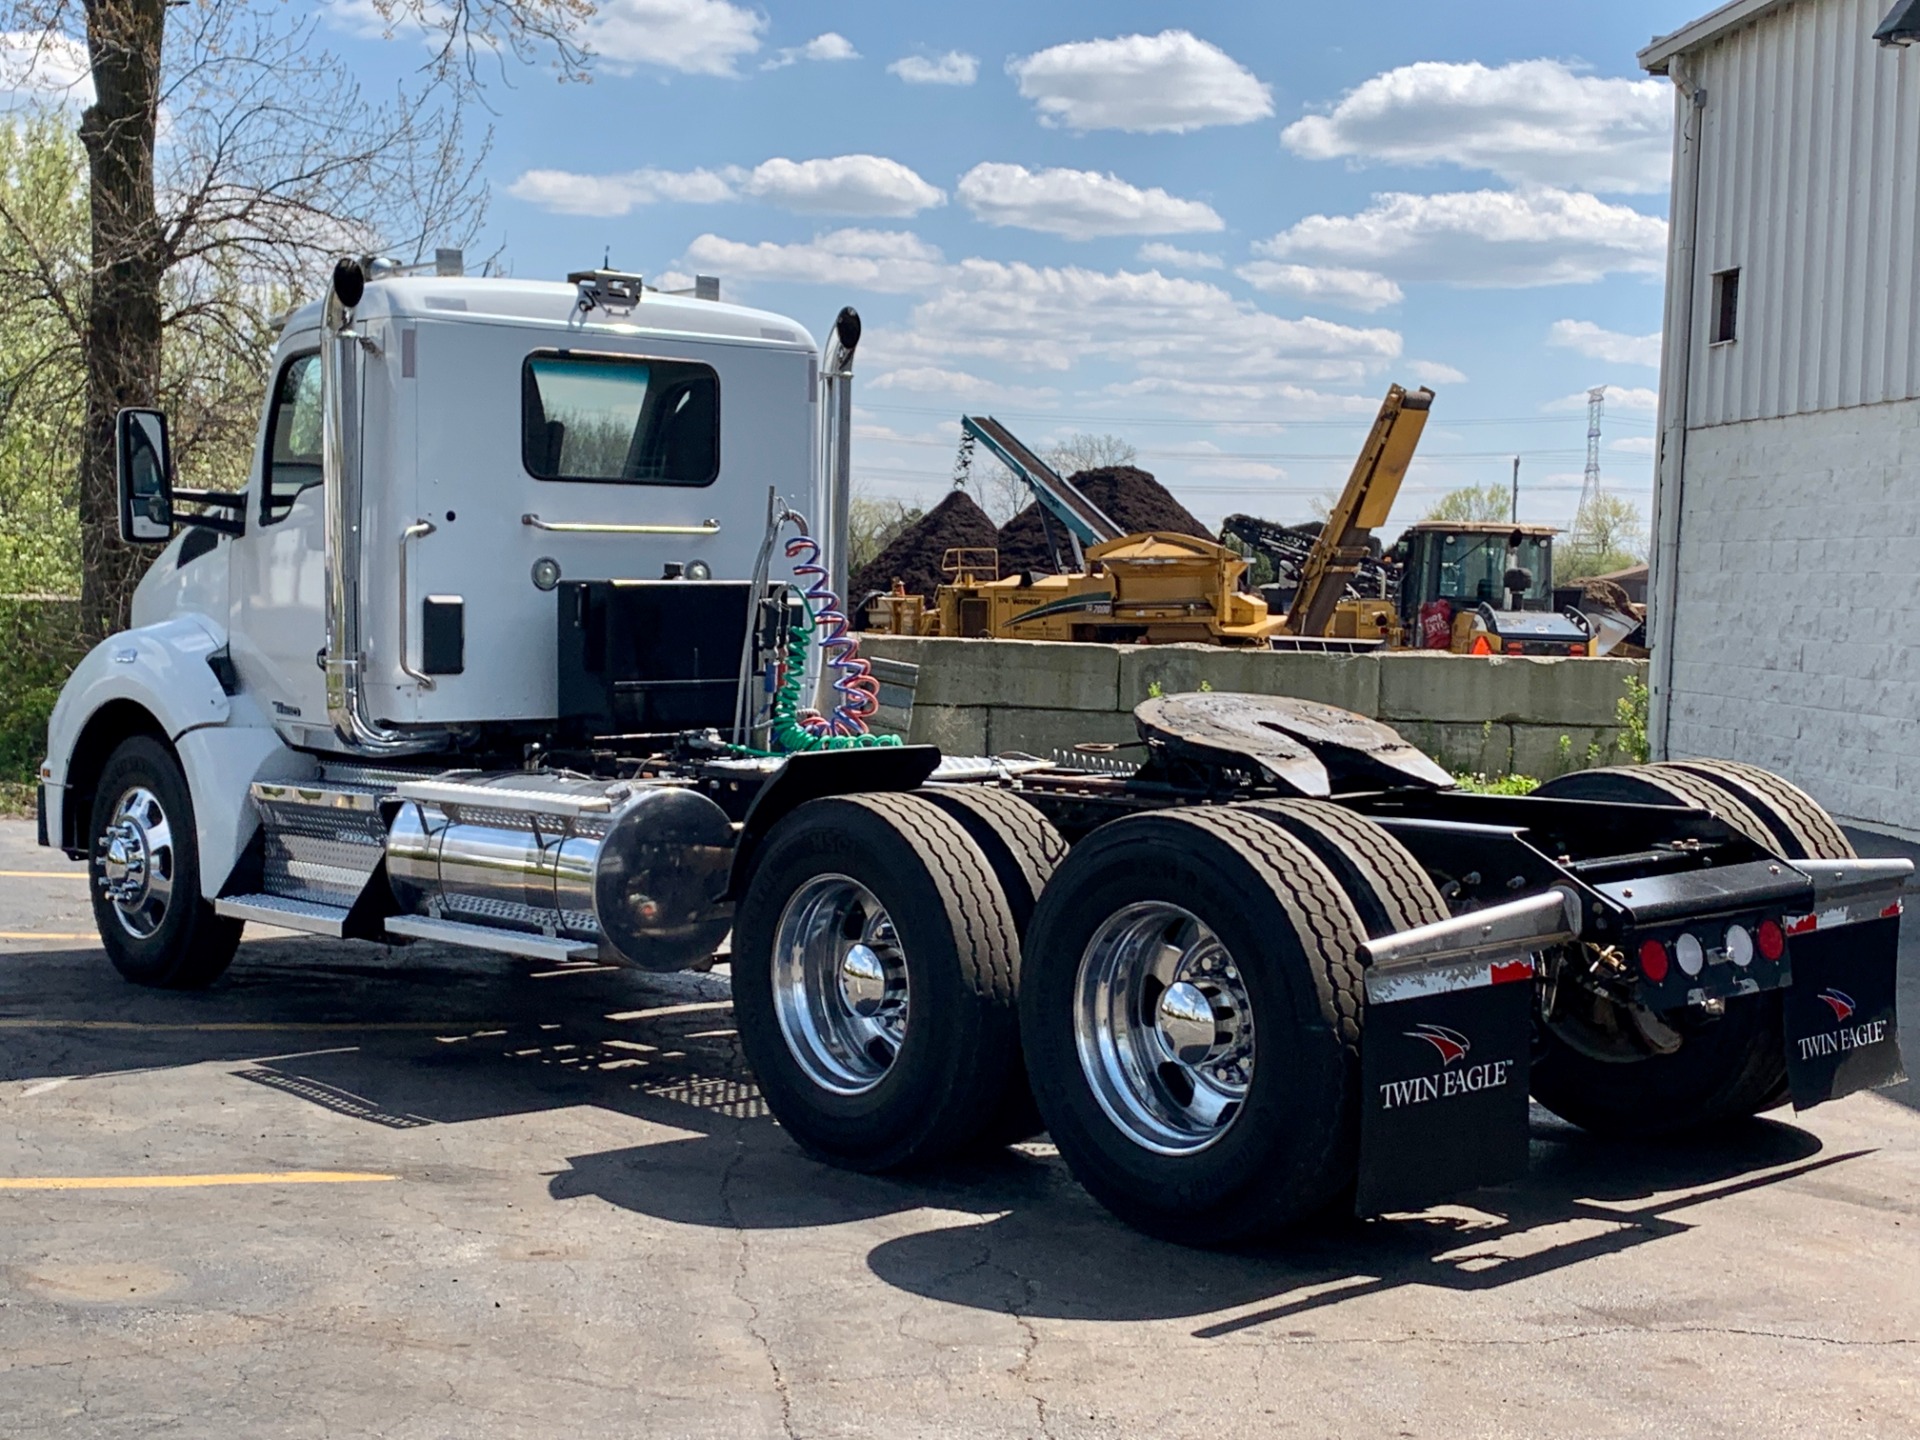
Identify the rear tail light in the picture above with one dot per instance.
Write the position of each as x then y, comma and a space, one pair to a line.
1770, 939
1653, 960
1576, 649
1739, 946
1514, 647
1691, 954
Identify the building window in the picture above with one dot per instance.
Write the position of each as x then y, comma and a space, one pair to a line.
1726, 306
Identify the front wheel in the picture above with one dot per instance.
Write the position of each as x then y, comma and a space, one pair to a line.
144, 870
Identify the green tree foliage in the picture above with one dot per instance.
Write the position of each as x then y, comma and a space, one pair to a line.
1608, 534
872, 524
43, 239
1474, 502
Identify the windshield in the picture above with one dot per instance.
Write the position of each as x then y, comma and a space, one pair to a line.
1473, 567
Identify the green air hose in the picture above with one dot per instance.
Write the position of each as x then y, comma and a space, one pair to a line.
789, 735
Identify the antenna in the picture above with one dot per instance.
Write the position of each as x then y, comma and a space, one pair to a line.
1590, 486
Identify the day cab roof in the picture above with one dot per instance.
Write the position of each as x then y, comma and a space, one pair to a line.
550, 305
1479, 527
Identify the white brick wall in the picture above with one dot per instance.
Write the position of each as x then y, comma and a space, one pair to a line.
1797, 629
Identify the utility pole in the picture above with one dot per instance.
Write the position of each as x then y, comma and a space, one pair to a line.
1515, 517
1590, 486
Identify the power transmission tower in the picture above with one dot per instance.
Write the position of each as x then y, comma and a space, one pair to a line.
1590, 487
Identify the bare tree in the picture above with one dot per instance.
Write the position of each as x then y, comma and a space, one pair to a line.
1090, 452
271, 160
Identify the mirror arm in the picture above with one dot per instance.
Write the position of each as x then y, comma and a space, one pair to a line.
226, 499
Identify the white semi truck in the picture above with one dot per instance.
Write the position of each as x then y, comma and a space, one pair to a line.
518, 638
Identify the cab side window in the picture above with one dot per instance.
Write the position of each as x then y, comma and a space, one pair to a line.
293, 437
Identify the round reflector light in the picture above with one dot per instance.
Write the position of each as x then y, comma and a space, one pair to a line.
1739, 946
1689, 952
1653, 960
1771, 939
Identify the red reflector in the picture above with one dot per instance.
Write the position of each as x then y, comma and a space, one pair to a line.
1511, 971
1803, 925
1576, 649
1653, 960
1770, 939
1514, 647
1891, 911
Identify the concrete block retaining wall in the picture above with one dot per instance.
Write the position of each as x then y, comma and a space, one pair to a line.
1493, 715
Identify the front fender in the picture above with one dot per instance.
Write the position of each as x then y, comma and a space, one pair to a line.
161, 668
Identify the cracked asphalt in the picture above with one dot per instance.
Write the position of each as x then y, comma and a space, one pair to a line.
489, 1198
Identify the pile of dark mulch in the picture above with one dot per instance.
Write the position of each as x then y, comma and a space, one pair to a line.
1134, 499
913, 558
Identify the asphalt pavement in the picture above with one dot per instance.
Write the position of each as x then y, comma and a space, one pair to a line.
422, 1192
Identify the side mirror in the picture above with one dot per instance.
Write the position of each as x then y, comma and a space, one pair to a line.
144, 466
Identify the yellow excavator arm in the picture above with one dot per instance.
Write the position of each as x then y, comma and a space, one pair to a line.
1361, 509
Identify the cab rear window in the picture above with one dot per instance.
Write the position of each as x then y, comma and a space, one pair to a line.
619, 419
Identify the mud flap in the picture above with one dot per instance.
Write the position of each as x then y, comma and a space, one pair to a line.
1842, 1031
1443, 1064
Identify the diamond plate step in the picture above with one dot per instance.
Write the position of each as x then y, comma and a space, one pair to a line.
485, 937
313, 918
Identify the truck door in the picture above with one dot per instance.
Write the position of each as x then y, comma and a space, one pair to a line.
279, 569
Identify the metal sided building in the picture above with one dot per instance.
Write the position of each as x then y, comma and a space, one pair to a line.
1786, 567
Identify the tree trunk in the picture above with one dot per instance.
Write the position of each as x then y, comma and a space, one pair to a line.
123, 303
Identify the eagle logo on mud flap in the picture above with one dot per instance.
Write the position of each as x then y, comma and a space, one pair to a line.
1450, 1043
1840, 1003
1452, 1078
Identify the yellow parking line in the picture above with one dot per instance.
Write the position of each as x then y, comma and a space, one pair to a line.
43, 874
189, 1182
45, 935
253, 1027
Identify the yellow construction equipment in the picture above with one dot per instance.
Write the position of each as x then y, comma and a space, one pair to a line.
1158, 588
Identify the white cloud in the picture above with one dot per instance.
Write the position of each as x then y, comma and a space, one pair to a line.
1432, 372
1534, 122
1628, 399
1484, 238
953, 68
696, 37
959, 384
1055, 317
1158, 252
1633, 445
43, 67
830, 46
1586, 338
565, 193
865, 185
1172, 81
1079, 204
890, 261
1351, 289
1231, 399
862, 185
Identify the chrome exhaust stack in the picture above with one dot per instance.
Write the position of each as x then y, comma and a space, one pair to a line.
836, 384
341, 358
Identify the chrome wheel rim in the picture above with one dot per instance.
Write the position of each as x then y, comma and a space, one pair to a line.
840, 984
1164, 1028
138, 862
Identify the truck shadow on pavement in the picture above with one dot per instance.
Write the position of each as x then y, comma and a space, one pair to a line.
404, 1039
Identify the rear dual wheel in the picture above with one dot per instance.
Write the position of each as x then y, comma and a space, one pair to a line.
876, 955
1191, 1007
1726, 1066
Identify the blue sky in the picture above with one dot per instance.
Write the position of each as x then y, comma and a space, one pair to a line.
1217, 230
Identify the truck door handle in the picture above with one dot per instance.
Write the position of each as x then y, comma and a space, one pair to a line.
415, 531
594, 527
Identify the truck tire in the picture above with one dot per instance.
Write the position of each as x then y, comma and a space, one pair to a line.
1659, 785
1218, 1100
1390, 890
1725, 1069
155, 925
874, 964
1024, 850
1800, 827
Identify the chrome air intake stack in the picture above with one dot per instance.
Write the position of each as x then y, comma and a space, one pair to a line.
342, 355
641, 869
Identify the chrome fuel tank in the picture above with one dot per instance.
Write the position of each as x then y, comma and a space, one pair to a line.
640, 868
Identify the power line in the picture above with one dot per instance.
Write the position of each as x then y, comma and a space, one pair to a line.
1356, 422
